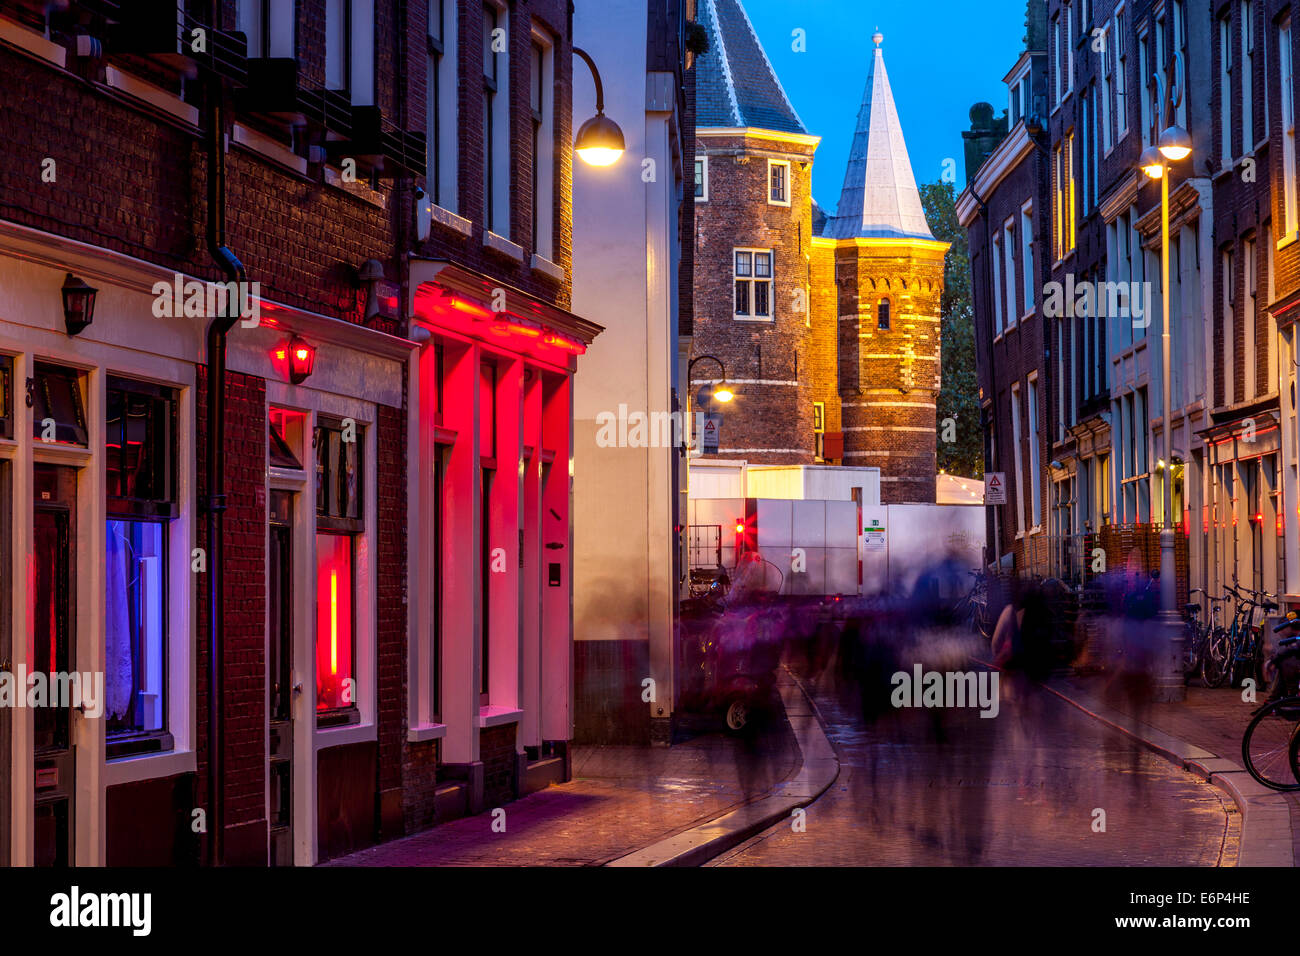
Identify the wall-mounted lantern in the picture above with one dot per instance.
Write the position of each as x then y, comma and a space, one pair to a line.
297, 357
78, 305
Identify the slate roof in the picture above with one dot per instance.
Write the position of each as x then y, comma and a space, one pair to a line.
735, 85
879, 198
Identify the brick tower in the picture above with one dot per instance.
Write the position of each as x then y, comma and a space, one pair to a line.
887, 270
828, 327
753, 243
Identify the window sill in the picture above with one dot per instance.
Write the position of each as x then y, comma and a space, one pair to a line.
449, 220
776, 202
1028, 315
152, 95
1287, 239
424, 732
268, 148
29, 41
148, 767
356, 189
498, 716
750, 318
502, 245
327, 737
546, 267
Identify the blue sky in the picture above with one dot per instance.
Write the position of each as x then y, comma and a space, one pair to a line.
942, 56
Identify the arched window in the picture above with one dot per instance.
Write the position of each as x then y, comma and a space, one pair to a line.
882, 314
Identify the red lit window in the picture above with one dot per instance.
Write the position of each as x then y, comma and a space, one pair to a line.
336, 691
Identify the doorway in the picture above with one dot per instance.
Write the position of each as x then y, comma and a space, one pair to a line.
53, 652
279, 681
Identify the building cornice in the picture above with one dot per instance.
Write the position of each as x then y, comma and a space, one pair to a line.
107, 266
1005, 158
802, 139
926, 248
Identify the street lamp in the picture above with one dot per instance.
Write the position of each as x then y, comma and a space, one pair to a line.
599, 141
722, 392
1174, 144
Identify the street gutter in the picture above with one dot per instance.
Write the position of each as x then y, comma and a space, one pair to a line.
820, 767
1266, 837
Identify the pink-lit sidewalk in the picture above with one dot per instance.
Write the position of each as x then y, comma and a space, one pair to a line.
620, 800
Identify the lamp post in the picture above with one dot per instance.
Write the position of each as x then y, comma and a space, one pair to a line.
1174, 144
599, 141
721, 392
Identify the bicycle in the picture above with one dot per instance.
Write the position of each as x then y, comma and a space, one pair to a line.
1228, 653
1270, 747
973, 608
1197, 632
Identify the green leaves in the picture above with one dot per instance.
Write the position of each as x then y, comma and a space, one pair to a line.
959, 391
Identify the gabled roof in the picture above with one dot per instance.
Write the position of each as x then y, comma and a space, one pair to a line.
879, 198
735, 85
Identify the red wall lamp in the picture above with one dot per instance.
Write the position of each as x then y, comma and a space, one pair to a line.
296, 358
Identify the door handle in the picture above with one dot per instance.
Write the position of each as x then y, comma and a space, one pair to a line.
297, 687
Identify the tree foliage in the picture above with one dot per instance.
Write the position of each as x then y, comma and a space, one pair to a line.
959, 390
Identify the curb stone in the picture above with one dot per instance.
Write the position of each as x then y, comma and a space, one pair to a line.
820, 767
1266, 836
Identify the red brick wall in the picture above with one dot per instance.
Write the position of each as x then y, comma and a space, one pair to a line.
244, 598
737, 214
553, 18
391, 607
497, 752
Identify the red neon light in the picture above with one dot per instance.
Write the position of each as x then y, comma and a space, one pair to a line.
334, 622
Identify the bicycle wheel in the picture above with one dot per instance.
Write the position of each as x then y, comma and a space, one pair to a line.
1267, 746
1216, 663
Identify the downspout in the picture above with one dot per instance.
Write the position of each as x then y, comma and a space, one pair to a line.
214, 504
993, 388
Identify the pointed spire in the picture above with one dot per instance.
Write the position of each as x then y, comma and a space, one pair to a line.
879, 198
735, 84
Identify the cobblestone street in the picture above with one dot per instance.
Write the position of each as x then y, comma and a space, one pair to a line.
1018, 789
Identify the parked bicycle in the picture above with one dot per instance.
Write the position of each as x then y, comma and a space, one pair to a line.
1270, 746
973, 608
1234, 654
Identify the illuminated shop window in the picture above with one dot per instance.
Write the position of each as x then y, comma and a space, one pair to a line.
140, 470
336, 697
339, 520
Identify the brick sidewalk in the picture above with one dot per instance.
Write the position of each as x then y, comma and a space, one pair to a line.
621, 799
1212, 719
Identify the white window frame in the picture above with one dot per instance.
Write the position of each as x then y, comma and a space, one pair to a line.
753, 280
1035, 472
998, 326
1250, 313
1144, 85
1286, 67
1018, 456
496, 148
1247, 77
704, 178
544, 163
1027, 257
1103, 117
1068, 16
1225, 87
442, 163
1121, 73
771, 163
269, 26
1228, 305
1008, 249
1057, 63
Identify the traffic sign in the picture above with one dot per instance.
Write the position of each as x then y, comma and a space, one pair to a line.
995, 488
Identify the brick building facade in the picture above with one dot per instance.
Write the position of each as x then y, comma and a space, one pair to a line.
397, 354
1115, 75
828, 329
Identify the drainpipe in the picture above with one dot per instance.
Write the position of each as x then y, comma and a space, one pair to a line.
993, 386
214, 504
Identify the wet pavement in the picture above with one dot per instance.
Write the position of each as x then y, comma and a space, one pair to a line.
948, 787
620, 799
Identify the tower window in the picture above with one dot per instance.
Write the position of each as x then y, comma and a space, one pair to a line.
753, 274
882, 315
778, 182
